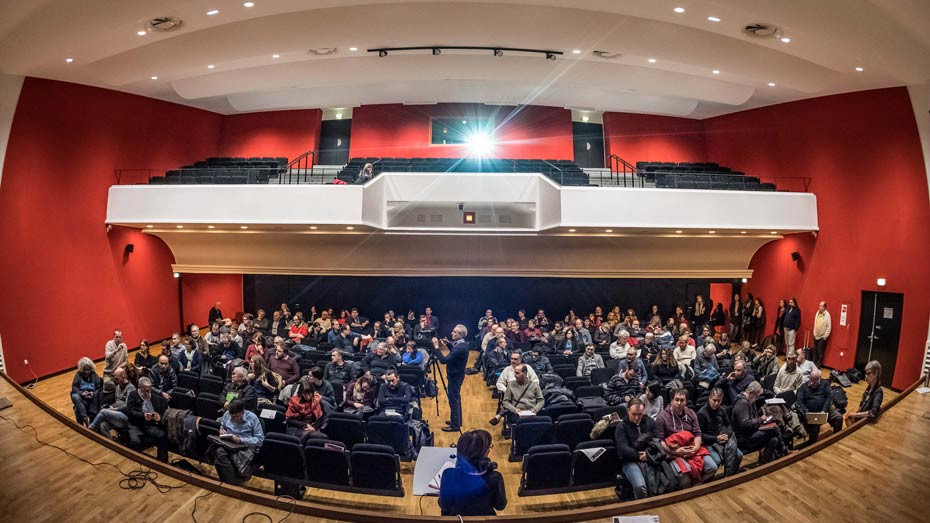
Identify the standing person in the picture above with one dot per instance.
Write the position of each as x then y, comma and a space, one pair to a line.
115, 353
454, 356
792, 323
779, 332
736, 317
718, 319
758, 322
822, 327
215, 314
472, 487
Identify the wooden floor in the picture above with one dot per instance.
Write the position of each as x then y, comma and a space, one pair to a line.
830, 472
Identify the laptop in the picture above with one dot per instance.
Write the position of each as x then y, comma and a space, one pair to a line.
816, 418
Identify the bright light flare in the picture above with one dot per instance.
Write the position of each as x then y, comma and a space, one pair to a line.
479, 144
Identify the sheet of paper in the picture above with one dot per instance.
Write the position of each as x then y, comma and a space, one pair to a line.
593, 454
923, 390
775, 401
636, 519
525, 413
267, 413
437, 479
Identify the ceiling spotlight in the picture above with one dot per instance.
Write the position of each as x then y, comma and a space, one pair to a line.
771, 84
177, 275
711, 232
679, 232
550, 56
860, 69
774, 232
339, 116
742, 232
211, 227
571, 230
154, 78
350, 228
382, 53
243, 227
211, 66
652, 60
149, 226
713, 18
141, 32
437, 51
248, 4
498, 52
785, 39
745, 280
69, 60
313, 227
276, 55
213, 12
585, 118
180, 226
715, 71
679, 10
353, 49
576, 51
608, 230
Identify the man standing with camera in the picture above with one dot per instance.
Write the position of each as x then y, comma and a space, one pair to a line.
454, 355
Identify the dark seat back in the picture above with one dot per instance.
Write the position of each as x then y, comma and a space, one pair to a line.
281, 458
572, 429
529, 432
390, 431
327, 462
589, 391
211, 384
208, 405
376, 467
546, 467
599, 376
602, 470
279, 423
189, 380
346, 428
181, 398
564, 371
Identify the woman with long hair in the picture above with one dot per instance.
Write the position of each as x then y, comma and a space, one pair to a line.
778, 333
472, 487
758, 322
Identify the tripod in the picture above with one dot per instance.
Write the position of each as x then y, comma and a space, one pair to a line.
434, 369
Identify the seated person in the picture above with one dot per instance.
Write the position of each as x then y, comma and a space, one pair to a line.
666, 368
631, 438
172, 361
588, 362
806, 366
602, 336
324, 387
175, 345
736, 381
717, 433
359, 397
239, 388
412, 357
568, 344
676, 418
338, 369
752, 431
815, 396
113, 416
870, 407
652, 399
190, 359
297, 331
684, 351
212, 339
705, 363
631, 361
164, 380
145, 409
495, 360
623, 386
522, 395
116, 354
473, 487
282, 363
507, 374
649, 348
538, 361
84, 387
379, 361
304, 413
256, 347
241, 427
789, 376
346, 340
765, 363
265, 383
228, 350
144, 359
619, 348
394, 395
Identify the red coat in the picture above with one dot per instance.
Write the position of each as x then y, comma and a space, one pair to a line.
682, 439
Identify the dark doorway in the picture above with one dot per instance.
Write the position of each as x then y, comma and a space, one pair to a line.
879, 331
589, 144
334, 142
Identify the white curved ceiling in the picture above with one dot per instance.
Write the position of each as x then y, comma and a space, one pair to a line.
829, 40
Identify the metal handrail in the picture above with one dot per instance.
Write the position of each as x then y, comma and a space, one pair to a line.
305, 161
622, 168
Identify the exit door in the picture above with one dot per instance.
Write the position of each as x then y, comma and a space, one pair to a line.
879, 331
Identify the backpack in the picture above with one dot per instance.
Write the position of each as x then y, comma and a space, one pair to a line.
420, 436
841, 378
854, 375
430, 388
594, 402
839, 398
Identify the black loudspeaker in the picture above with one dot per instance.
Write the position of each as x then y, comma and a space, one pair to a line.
129, 248
794, 255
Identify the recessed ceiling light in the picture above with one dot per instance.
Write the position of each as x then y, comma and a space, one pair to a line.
339, 116
180, 226
742, 232
715, 71
744, 280
860, 69
154, 78
608, 230
211, 66
679, 10
350, 228
679, 232
713, 18
243, 227
464, 122
313, 227
213, 12
576, 51
652, 60
785, 39
571, 230
211, 227
353, 49
771, 84
149, 226
711, 232
69, 60
176, 274
248, 4
276, 55
585, 118
774, 232
141, 32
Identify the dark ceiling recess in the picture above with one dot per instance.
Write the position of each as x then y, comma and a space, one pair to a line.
495, 51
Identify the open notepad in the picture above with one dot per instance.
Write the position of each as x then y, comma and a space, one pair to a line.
437, 479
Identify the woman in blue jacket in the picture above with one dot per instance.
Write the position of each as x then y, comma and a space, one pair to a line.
473, 487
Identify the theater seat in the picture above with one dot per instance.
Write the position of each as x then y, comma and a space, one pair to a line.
327, 463
601, 471
529, 432
572, 429
281, 459
346, 428
390, 431
546, 468
377, 468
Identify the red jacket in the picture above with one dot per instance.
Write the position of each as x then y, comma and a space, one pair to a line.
682, 439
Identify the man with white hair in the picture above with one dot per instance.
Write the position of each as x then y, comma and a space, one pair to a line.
239, 388
822, 327
454, 355
618, 349
146, 410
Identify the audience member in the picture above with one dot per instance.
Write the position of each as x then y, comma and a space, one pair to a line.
652, 399
190, 359
538, 361
752, 431
338, 369
379, 361
666, 368
870, 408
215, 313
113, 416
789, 376
243, 429
765, 363
684, 352
266, 384
163, 378
412, 357
618, 349
144, 359
84, 386
145, 410
523, 396
815, 396
282, 363
304, 413
791, 323
256, 347
717, 433
359, 397
736, 381
238, 388
631, 361
632, 437
394, 396
677, 417
623, 386
805, 366
472, 487
822, 329
588, 361
116, 354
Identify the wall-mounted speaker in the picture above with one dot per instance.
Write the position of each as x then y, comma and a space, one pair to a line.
129, 248
795, 256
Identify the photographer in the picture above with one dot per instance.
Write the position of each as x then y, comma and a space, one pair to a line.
472, 487
454, 357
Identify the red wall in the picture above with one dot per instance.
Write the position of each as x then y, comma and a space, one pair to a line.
863, 156
201, 291
643, 137
66, 283
403, 131
274, 133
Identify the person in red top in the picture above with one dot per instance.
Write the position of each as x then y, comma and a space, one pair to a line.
257, 347
304, 410
298, 331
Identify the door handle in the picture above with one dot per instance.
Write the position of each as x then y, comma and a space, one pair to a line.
878, 327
